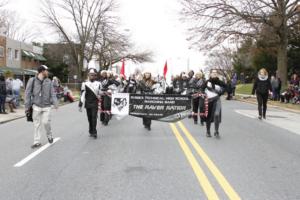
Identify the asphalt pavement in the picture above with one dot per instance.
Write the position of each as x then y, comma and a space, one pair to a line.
252, 160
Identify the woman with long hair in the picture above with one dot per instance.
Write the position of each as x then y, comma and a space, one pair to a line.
214, 88
146, 88
262, 87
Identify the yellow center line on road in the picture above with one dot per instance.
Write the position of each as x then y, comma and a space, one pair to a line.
202, 178
211, 166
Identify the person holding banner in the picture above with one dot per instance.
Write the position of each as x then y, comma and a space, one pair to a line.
184, 83
214, 88
198, 98
146, 88
109, 84
131, 85
90, 94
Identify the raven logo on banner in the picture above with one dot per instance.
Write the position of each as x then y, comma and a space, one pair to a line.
120, 104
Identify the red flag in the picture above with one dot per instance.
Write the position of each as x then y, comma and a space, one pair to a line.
165, 69
122, 72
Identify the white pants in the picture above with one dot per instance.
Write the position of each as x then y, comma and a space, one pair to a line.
41, 119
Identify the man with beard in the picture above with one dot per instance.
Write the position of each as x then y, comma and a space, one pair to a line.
90, 94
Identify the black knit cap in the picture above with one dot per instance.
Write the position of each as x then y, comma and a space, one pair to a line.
42, 68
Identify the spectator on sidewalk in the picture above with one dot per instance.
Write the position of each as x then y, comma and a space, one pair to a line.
233, 84
17, 84
287, 95
2, 94
275, 86
294, 80
40, 96
10, 99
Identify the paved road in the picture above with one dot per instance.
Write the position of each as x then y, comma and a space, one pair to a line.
252, 160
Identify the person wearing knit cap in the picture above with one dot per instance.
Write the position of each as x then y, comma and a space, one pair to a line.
90, 94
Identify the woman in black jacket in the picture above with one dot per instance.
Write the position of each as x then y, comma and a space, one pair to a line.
145, 86
214, 88
262, 86
2, 94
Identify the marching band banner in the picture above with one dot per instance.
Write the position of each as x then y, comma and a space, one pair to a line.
167, 107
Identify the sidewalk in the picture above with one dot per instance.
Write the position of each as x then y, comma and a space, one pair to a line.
281, 106
19, 113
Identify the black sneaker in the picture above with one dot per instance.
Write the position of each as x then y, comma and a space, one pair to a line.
208, 134
264, 117
36, 145
259, 117
93, 135
50, 140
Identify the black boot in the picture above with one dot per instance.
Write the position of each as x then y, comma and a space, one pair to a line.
217, 134
208, 129
259, 117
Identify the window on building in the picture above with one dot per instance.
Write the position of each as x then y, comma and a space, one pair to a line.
16, 54
9, 53
1, 51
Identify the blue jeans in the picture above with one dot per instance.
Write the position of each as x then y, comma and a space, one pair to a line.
16, 94
2, 102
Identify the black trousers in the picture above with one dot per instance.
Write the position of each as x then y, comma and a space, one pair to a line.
198, 105
92, 118
214, 115
105, 106
2, 103
146, 122
262, 100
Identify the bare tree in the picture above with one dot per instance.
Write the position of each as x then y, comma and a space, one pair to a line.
221, 59
16, 27
220, 20
113, 46
2, 16
13, 26
3, 3
79, 23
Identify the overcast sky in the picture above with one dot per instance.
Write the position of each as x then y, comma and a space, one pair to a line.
152, 24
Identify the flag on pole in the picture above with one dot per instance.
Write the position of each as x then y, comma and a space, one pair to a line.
122, 72
165, 69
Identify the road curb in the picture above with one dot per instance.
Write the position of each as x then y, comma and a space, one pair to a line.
10, 120
271, 106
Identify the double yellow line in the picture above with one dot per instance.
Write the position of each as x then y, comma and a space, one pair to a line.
202, 178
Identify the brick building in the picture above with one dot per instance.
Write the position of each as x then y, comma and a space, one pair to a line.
20, 58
